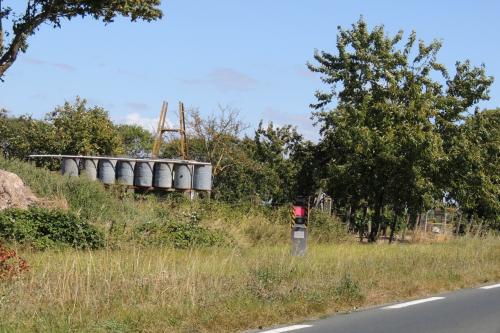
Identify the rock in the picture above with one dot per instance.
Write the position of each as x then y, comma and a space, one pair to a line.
14, 193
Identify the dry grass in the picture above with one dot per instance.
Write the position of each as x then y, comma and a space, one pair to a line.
226, 290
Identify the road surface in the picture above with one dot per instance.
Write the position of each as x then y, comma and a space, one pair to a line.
466, 311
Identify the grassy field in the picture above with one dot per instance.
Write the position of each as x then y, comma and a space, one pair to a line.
227, 290
171, 265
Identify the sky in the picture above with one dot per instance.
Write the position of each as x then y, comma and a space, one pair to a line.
248, 55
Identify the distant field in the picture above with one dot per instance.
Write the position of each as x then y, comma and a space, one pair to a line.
226, 290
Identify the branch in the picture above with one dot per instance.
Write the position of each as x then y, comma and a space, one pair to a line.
53, 11
19, 40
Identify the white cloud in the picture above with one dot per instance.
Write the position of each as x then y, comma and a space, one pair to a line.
59, 65
225, 79
135, 118
138, 106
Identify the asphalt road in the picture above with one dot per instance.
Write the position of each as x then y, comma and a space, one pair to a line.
466, 311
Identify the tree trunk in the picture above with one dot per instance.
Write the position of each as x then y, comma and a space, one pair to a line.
352, 217
347, 217
363, 223
376, 223
393, 227
412, 220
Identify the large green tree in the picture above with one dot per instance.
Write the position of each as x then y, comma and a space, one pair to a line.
474, 166
135, 140
14, 39
84, 130
22, 136
287, 157
379, 120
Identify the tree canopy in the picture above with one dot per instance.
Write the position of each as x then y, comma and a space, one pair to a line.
474, 164
136, 141
390, 109
83, 130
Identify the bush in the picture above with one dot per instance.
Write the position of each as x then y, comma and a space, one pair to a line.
326, 228
42, 228
179, 235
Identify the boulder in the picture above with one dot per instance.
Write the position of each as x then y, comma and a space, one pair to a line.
14, 193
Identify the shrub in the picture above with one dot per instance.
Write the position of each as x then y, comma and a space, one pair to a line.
42, 228
179, 235
326, 228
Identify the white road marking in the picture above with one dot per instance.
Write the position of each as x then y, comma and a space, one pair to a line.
419, 301
287, 329
491, 287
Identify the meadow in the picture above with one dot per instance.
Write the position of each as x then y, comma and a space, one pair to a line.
230, 289
170, 265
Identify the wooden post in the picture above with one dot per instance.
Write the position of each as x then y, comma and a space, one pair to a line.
425, 223
444, 224
458, 226
403, 233
452, 221
159, 133
417, 226
182, 131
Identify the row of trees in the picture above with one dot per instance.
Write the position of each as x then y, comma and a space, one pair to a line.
265, 166
399, 133
277, 163
73, 128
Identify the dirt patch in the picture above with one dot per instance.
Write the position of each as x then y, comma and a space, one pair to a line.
14, 193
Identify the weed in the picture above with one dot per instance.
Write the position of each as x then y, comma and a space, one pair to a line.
348, 290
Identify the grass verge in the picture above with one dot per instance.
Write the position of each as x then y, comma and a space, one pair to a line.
228, 290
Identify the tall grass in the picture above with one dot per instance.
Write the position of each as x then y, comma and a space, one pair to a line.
87, 198
251, 282
120, 213
226, 290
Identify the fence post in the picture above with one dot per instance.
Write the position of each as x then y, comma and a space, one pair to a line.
458, 226
425, 224
444, 224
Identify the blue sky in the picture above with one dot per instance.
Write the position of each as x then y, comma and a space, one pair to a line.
250, 55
